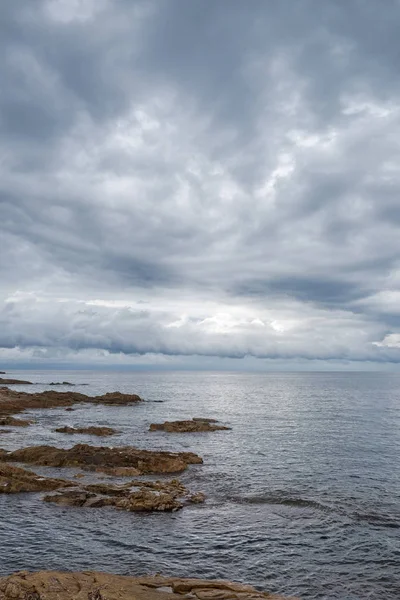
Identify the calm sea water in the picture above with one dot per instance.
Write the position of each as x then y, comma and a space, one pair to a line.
303, 493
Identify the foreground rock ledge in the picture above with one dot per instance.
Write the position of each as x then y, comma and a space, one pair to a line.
125, 460
88, 585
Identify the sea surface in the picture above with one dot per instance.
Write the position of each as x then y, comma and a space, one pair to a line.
303, 495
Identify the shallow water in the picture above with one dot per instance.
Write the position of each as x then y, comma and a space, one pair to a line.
303, 493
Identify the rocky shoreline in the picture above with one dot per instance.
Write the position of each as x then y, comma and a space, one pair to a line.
90, 585
137, 495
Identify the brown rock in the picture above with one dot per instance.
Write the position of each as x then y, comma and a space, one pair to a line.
14, 480
12, 402
100, 457
13, 422
55, 585
198, 425
99, 431
136, 496
4, 381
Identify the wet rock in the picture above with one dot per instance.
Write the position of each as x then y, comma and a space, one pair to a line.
136, 496
198, 425
14, 480
13, 422
5, 431
12, 402
4, 381
61, 383
197, 498
55, 585
101, 457
99, 431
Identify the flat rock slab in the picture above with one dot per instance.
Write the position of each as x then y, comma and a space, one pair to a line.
88, 585
14, 480
102, 458
12, 402
136, 496
4, 381
9, 421
99, 431
190, 426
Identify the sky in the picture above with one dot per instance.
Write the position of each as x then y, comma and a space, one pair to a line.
197, 184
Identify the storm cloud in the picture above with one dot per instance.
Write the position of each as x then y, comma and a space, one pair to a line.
200, 179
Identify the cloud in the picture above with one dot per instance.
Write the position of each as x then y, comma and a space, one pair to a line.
233, 168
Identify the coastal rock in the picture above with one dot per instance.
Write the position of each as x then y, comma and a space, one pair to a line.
61, 383
4, 381
99, 431
12, 402
13, 422
14, 480
90, 585
100, 457
195, 425
136, 496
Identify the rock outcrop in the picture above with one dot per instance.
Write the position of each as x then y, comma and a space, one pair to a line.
89, 585
14, 480
99, 431
13, 402
200, 425
136, 496
4, 381
99, 458
13, 422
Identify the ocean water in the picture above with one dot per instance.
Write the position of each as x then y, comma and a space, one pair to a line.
303, 495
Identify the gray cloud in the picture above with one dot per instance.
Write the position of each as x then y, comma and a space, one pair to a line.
234, 167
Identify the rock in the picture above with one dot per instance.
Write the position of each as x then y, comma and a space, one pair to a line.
118, 471
90, 585
12, 402
199, 425
60, 383
69, 409
5, 431
99, 431
101, 457
14, 480
205, 419
2, 373
197, 498
14, 382
136, 496
13, 422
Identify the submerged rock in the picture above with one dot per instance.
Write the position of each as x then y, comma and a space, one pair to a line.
89, 585
99, 431
201, 425
14, 480
101, 458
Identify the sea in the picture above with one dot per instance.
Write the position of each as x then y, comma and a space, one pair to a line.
303, 494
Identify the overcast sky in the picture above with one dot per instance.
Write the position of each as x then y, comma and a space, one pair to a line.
200, 183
